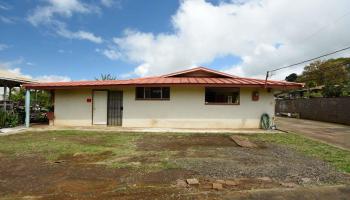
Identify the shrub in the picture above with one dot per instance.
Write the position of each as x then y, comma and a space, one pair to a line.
12, 120
3, 115
8, 119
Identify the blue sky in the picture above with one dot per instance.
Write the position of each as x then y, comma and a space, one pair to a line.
54, 40
45, 53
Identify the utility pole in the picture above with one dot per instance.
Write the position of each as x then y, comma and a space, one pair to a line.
267, 76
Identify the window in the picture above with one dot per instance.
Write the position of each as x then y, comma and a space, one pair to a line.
224, 96
157, 93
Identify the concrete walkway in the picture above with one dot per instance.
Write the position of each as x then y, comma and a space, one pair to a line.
334, 134
13, 130
136, 130
148, 130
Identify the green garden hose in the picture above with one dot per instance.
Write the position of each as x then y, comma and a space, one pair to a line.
265, 121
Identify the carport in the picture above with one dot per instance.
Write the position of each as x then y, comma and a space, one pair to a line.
8, 81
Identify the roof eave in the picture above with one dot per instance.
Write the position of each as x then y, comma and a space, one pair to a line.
48, 87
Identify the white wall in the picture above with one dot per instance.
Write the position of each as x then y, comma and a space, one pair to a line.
72, 109
186, 109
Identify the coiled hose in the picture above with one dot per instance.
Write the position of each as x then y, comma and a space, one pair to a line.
265, 121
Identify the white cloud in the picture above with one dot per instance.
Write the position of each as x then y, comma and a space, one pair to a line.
80, 35
62, 8
110, 53
87, 36
12, 68
17, 72
52, 78
51, 13
107, 3
265, 34
7, 20
10, 64
3, 47
4, 6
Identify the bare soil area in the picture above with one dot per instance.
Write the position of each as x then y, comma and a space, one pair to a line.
109, 175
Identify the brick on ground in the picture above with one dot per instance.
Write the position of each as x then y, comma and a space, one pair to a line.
243, 142
217, 186
192, 181
181, 183
231, 183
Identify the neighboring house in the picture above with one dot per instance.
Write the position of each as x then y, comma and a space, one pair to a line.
301, 93
195, 98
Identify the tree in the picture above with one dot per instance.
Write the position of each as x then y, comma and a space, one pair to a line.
333, 74
332, 90
332, 71
105, 77
292, 77
39, 97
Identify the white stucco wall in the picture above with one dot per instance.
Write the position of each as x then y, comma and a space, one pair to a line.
72, 109
186, 109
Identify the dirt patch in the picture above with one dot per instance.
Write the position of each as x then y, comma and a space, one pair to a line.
173, 143
84, 157
81, 186
35, 176
168, 176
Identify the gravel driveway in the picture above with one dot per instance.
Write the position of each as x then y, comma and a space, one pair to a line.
219, 158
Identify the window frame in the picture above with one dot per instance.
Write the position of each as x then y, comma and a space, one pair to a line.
152, 99
224, 104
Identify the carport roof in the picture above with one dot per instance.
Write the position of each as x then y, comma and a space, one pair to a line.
9, 79
199, 76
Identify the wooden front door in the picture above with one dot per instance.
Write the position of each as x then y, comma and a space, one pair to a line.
115, 108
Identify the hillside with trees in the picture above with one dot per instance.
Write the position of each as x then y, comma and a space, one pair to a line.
332, 75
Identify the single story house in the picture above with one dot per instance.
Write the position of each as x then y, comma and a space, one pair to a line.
194, 98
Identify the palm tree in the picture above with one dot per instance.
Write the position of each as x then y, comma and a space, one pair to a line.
105, 77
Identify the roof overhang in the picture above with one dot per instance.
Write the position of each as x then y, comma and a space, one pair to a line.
11, 82
109, 86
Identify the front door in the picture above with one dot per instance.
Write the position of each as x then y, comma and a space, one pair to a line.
99, 113
115, 108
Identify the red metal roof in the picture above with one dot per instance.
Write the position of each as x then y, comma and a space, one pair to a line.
223, 80
208, 71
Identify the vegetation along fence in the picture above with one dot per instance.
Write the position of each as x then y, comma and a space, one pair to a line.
335, 110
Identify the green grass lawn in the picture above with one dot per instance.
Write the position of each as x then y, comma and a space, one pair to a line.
54, 144
338, 157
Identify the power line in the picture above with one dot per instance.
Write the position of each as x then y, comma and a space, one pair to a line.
305, 61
